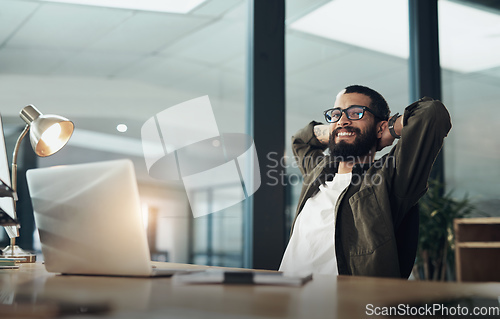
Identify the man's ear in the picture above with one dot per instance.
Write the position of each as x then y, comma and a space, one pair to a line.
381, 127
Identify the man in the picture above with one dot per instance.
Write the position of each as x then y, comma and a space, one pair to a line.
353, 211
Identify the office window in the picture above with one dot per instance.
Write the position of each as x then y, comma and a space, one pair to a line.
471, 75
333, 44
112, 69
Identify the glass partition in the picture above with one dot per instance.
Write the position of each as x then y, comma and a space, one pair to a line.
469, 46
110, 69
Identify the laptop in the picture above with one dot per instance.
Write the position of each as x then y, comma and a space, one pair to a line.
90, 222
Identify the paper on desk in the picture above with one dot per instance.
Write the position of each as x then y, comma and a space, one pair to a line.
8, 263
217, 276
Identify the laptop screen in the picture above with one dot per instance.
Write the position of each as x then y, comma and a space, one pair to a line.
89, 218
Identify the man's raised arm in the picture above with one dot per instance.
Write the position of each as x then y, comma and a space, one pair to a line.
424, 126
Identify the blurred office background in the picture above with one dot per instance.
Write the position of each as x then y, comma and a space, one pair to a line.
102, 67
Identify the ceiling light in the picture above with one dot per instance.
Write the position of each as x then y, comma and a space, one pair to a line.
121, 128
380, 25
469, 37
172, 6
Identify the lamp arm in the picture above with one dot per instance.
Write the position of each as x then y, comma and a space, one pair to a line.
14, 158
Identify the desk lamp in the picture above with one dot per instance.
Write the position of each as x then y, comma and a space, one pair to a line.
48, 134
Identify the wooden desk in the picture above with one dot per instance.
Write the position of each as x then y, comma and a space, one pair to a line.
324, 297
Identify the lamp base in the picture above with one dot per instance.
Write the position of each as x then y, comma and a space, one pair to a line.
17, 252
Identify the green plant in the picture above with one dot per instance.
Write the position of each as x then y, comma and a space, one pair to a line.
436, 245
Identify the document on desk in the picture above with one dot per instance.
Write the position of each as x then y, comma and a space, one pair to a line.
218, 276
8, 263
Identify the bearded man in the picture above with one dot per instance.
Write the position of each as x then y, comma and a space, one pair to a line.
357, 215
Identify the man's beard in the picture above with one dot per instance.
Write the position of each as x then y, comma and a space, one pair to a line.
362, 145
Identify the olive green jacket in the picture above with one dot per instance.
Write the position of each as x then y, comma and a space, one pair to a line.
371, 209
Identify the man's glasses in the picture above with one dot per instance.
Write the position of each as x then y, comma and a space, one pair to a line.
353, 112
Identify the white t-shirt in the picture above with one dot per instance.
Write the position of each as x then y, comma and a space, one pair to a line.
311, 248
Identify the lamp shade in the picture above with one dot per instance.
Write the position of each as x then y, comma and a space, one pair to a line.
48, 133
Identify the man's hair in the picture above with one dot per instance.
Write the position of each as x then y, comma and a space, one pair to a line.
378, 105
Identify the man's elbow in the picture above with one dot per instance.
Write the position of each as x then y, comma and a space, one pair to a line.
441, 117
